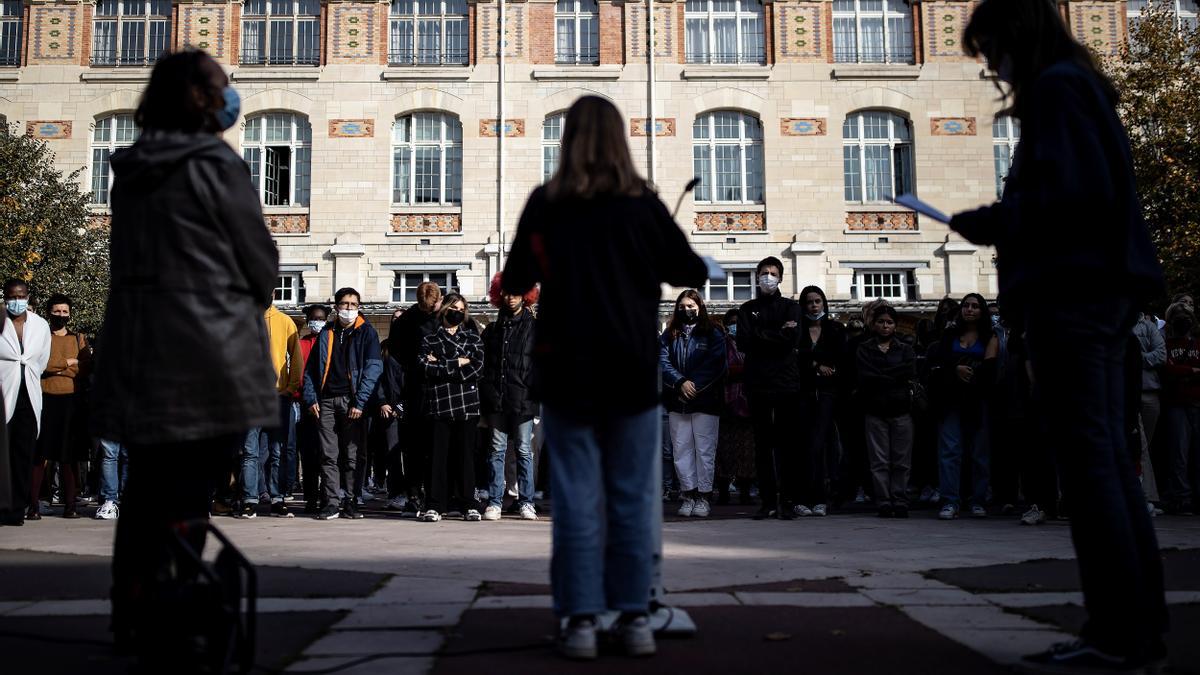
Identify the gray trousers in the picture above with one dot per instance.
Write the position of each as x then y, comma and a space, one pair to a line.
341, 438
889, 448
1181, 426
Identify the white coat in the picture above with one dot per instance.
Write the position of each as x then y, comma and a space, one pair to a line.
33, 357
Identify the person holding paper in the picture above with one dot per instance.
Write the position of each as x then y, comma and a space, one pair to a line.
1069, 225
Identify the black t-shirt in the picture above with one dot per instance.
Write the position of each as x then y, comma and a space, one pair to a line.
338, 381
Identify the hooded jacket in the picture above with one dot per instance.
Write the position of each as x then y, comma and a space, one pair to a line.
404, 344
364, 364
185, 354
286, 358
830, 350
507, 384
770, 348
700, 359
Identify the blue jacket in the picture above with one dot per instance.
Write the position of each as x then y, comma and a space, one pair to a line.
365, 366
700, 359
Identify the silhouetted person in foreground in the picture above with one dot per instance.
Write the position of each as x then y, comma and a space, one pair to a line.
601, 243
1069, 225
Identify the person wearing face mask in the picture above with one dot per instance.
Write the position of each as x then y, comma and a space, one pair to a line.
1181, 410
184, 370
692, 356
61, 441
820, 352
339, 381
453, 365
308, 440
886, 368
24, 354
767, 333
407, 333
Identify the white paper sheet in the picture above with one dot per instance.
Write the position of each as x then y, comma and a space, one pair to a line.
910, 201
715, 272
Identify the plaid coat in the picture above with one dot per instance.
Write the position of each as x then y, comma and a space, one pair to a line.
451, 391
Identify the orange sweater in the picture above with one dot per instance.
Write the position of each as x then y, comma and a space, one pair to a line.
59, 378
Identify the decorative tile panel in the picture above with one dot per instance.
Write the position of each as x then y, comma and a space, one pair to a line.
512, 128
292, 223
663, 126
54, 32
351, 128
888, 221
353, 34
205, 27
56, 130
801, 31
944, 26
100, 220
426, 222
731, 222
489, 25
952, 126
664, 30
1098, 25
802, 126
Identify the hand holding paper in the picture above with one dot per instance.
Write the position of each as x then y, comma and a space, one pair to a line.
910, 201
715, 272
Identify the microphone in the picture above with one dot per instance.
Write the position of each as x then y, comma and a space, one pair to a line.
687, 189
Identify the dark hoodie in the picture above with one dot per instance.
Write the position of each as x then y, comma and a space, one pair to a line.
770, 348
185, 353
829, 350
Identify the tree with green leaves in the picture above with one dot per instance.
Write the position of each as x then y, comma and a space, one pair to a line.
1158, 77
46, 234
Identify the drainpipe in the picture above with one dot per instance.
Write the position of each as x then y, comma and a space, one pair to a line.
651, 121
501, 132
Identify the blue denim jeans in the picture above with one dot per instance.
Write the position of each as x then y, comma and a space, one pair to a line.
670, 482
514, 433
270, 464
963, 436
252, 469
601, 474
114, 468
289, 464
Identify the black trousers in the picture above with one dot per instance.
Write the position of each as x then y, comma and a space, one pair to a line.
417, 434
1078, 355
451, 480
819, 463
22, 443
308, 446
776, 445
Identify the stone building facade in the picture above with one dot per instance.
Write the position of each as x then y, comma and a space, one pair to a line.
371, 127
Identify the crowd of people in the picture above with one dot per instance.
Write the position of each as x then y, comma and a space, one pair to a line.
775, 403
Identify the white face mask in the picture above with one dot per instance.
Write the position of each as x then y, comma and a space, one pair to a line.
768, 283
316, 326
347, 316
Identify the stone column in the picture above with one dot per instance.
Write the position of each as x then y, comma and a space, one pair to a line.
807, 268
961, 275
347, 254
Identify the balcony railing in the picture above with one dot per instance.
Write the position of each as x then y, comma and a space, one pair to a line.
308, 58
726, 58
427, 57
577, 57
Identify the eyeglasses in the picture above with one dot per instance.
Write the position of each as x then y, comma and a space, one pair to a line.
347, 305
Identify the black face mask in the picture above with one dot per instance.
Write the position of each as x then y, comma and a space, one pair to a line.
454, 317
1181, 327
688, 316
58, 322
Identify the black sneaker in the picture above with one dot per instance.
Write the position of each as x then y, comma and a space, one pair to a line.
786, 511
311, 508
1080, 656
886, 511
330, 512
900, 511
247, 510
349, 510
763, 512
280, 510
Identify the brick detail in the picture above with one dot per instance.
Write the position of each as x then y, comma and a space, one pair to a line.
489, 28
55, 130
731, 222
943, 24
769, 32
351, 128
206, 27
952, 126
85, 30
881, 222
1099, 25
472, 33
668, 30
513, 128
541, 32
802, 126
426, 222
612, 33
99, 220
235, 32
665, 126
801, 32
55, 35
352, 35
293, 223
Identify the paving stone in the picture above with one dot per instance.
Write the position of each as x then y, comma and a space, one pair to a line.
64, 608
515, 602
372, 642
970, 616
1033, 599
923, 596
279, 605
1005, 646
805, 599
402, 616
322, 663
424, 591
406, 666
700, 599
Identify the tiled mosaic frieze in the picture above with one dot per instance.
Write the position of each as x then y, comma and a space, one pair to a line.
801, 33
100, 220
426, 222
47, 130
1098, 25
489, 25
887, 221
731, 222
664, 126
512, 128
292, 223
802, 126
54, 32
353, 31
952, 126
664, 30
351, 128
204, 27
944, 26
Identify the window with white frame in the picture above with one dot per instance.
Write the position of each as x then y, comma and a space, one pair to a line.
278, 149
111, 133
577, 31
738, 285
724, 31
1186, 13
872, 31
404, 288
877, 157
130, 32
281, 33
1006, 133
727, 156
894, 285
428, 32
552, 129
289, 289
11, 14
427, 159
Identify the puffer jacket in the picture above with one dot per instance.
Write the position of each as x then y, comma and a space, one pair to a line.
700, 359
770, 348
364, 366
507, 385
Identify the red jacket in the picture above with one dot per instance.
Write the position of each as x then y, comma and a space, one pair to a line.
1181, 383
306, 347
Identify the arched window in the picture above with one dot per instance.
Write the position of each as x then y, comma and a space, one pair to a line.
11, 12
724, 31
130, 32
281, 33
872, 31
727, 156
111, 134
552, 129
428, 32
278, 149
427, 159
1006, 133
877, 156
577, 31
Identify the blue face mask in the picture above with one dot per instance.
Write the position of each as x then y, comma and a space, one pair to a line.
228, 116
732, 328
995, 320
16, 307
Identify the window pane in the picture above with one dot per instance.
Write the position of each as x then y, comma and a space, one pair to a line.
133, 42
872, 41
877, 162
851, 168
308, 44
753, 47
845, 40
549, 161
279, 128
253, 157
1001, 160
456, 42
701, 166
253, 132
400, 131
100, 175
254, 8
254, 36
104, 43
729, 173
696, 39
126, 130
875, 125
700, 127
727, 125
400, 177
900, 37
427, 127
429, 41
903, 168
564, 29
718, 291
754, 173
453, 174
160, 34
281, 42
106, 7
725, 48
850, 127
743, 285
303, 175
400, 41
428, 175
589, 39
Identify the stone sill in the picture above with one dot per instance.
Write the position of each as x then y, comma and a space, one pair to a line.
863, 71
887, 207
730, 233
290, 235
723, 207
304, 74
7, 75
883, 233
404, 210
116, 75
424, 235
577, 73
99, 209
286, 210
726, 73
402, 74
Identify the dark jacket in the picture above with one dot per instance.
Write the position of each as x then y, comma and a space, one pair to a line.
507, 385
884, 380
830, 351
601, 263
404, 344
451, 390
770, 348
947, 391
389, 389
1069, 218
364, 364
700, 359
185, 354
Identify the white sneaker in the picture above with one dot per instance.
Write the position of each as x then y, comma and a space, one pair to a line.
689, 506
107, 511
1034, 516
948, 512
528, 512
700, 508
978, 511
926, 495
482, 496
802, 510
430, 517
491, 513
935, 496
358, 501
578, 641
820, 510
473, 516
397, 503
512, 492
860, 497
638, 637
